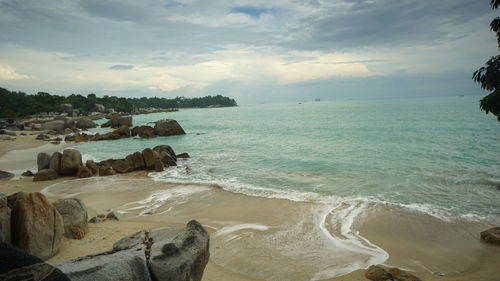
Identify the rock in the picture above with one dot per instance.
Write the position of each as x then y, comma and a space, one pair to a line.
137, 160
18, 265
66, 107
118, 121
399, 275
96, 220
6, 175
123, 131
70, 161
123, 166
75, 217
36, 226
167, 159
491, 235
85, 123
7, 132
4, 219
146, 132
159, 167
84, 172
28, 173
36, 127
149, 158
99, 108
68, 122
179, 254
114, 215
6, 138
92, 166
56, 125
45, 175
182, 155
126, 265
166, 148
55, 162
168, 127
377, 273
42, 137
43, 161
106, 171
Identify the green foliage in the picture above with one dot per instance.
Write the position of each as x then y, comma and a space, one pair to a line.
19, 104
488, 76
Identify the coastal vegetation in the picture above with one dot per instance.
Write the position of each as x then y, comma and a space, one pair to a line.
20, 104
488, 76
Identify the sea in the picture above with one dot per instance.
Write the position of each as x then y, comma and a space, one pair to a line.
317, 190
439, 155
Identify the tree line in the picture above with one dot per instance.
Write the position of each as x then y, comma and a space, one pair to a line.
19, 104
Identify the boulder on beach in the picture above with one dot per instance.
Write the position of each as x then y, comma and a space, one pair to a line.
168, 127
45, 175
491, 235
75, 217
4, 219
70, 161
55, 162
114, 215
43, 161
137, 160
85, 123
42, 137
99, 108
6, 175
123, 166
18, 265
84, 172
68, 122
149, 158
27, 173
7, 132
118, 121
378, 273
106, 170
92, 166
165, 147
55, 125
159, 167
162, 254
36, 226
167, 159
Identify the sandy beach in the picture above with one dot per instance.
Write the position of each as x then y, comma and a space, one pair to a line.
255, 238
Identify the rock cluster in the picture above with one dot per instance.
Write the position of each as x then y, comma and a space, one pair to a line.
167, 253
69, 163
378, 273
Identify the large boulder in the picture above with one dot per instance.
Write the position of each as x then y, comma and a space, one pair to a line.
123, 166
99, 108
43, 161
149, 158
118, 121
167, 159
70, 161
84, 172
168, 127
106, 170
18, 265
68, 122
159, 167
56, 125
137, 160
123, 131
36, 226
85, 123
92, 166
55, 162
167, 148
4, 219
146, 132
66, 107
45, 175
179, 254
491, 235
75, 217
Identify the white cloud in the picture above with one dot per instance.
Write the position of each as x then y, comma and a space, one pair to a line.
9, 73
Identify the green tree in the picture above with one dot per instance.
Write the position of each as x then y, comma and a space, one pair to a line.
488, 76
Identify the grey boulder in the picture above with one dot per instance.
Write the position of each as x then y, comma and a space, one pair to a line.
491, 235
45, 175
70, 161
43, 161
56, 125
85, 123
168, 127
55, 162
75, 217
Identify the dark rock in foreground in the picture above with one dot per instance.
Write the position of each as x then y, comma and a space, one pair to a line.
4, 219
491, 235
17, 265
163, 254
36, 226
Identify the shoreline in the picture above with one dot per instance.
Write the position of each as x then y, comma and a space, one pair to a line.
254, 236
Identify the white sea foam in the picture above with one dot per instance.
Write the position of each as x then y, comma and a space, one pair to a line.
237, 227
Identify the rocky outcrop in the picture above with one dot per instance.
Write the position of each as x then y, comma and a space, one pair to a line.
43, 161
163, 254
45, 175
55, 162
118, 121
85, 123
17, 265
123, 166
378, 273
75, 217
36, 226
56, 125
106, 170
137, 160
143, 132
149, 158
70, 161
491, 235
4, 219
168, 127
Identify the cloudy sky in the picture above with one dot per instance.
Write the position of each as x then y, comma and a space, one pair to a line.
253, 50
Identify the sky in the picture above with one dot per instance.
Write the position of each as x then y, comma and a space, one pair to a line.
254, 51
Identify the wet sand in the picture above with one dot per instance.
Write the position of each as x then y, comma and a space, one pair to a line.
254, 238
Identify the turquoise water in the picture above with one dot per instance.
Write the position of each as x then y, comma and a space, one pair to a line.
435, 155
